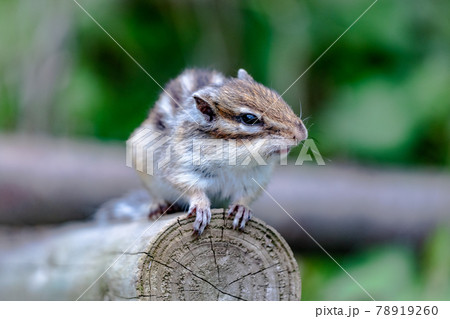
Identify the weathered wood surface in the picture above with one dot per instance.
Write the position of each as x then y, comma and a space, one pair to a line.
146, 260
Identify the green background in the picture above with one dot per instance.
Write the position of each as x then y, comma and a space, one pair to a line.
379, 97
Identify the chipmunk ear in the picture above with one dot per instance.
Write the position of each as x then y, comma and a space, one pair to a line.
205, 107
243, 75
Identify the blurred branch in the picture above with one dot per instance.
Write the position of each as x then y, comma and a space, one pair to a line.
347, 206
48, 181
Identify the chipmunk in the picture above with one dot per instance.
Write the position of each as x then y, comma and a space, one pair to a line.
203, 106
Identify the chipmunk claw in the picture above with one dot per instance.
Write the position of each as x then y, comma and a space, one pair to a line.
202, 217
242, 215
158, 209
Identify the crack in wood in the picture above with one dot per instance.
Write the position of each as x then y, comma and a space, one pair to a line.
181, 238
151, 258
184, 243
126, 298
251, 273
215, 260
208, 282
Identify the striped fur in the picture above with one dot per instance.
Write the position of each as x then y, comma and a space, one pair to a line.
205, 105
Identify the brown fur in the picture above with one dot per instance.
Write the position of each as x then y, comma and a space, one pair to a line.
278, 118
276, 114
202, 104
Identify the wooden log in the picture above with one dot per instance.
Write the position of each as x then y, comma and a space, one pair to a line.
146, 260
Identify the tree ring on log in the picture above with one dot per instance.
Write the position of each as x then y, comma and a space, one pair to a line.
222, 264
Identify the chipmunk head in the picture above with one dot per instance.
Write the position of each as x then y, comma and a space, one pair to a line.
243, 109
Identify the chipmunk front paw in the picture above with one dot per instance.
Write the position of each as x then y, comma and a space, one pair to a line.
242, 215
158, 209
202, 216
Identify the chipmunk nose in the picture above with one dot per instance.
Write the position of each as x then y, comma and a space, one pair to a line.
300, 132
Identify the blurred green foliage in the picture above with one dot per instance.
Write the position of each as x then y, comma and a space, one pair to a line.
380, 94
388, 272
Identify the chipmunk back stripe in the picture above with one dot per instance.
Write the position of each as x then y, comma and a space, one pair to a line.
175, 90
159, 122
215, 133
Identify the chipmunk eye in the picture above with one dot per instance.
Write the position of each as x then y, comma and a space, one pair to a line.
250, 119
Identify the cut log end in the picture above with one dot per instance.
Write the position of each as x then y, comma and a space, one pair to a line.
222, 264
148, 260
